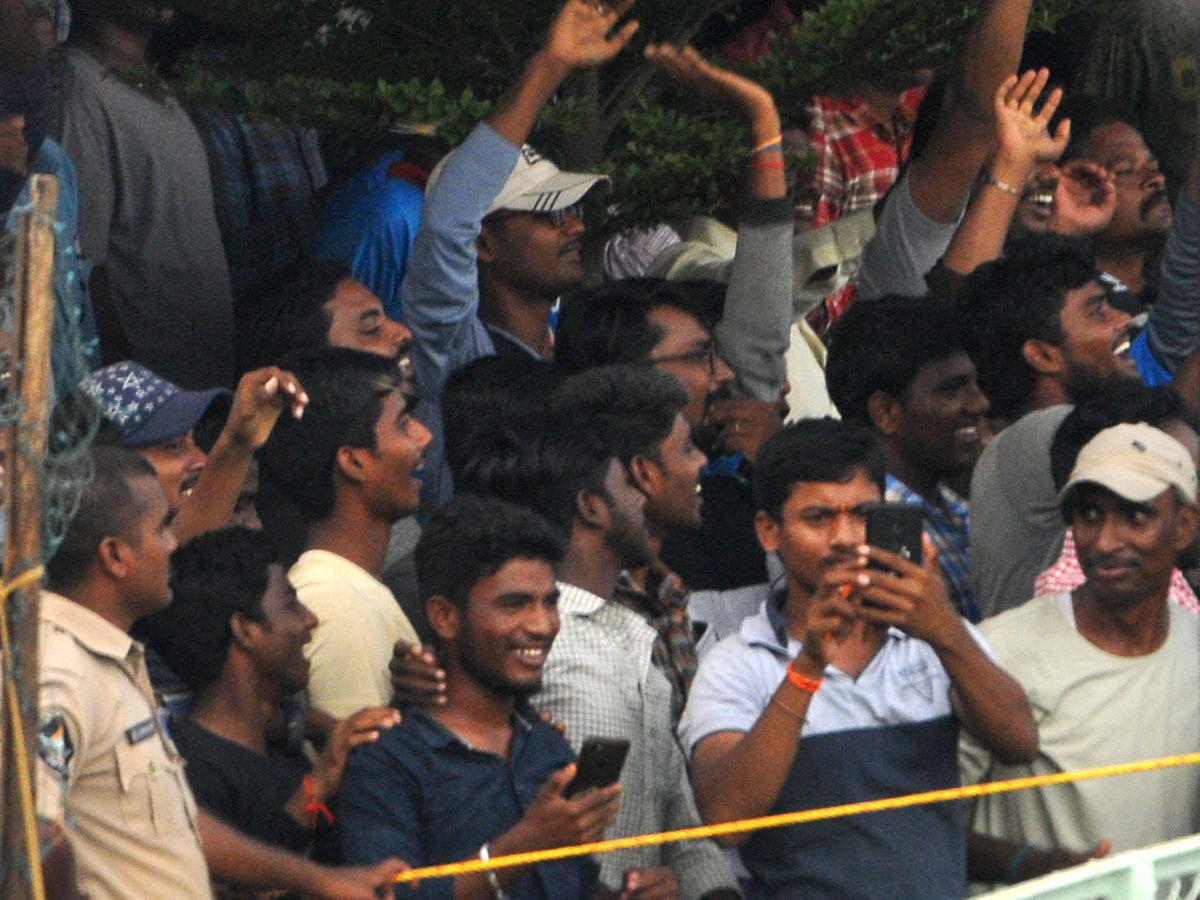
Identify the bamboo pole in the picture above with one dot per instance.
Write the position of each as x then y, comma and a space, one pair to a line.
22, 450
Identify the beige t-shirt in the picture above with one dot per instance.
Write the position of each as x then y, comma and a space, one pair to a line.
359, 621
106, 770
1094, 709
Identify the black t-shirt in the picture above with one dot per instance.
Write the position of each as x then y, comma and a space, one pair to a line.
245, 789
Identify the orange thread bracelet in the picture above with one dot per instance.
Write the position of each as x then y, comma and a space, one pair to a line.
314, 806
808, 685
766, 164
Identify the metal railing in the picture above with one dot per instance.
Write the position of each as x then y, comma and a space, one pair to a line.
1169, 871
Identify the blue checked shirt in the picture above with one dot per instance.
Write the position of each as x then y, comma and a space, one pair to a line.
947, 526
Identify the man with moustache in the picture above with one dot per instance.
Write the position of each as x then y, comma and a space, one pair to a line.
849, 684
1106, 664
352, 465
1133, 239
481, 774
898, 365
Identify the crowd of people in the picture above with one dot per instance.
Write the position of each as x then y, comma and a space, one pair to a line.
386, 526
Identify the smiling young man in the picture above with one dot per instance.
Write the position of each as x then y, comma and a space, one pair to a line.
235, 632
1106, 664
601, 678
898, 365
849, 684
482, 774
353, 467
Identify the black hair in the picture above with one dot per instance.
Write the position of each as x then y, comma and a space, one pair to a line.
881, 345
471, 538
542, 459
346, 389
213, 576
640, 402
1014, 299
1124, 402
1087, 113
287, 314
825, 451
478, 397
107, 508
610, 323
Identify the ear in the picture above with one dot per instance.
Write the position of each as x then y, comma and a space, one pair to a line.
768, 531
487, 247
1187, 528
351, 462
1043, 357
592, 510
243, 630
884, 411
647, 476
114, 557
445, 618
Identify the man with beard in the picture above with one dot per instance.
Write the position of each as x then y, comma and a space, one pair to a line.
600, 678
899, 366
1042, 335
235, 632
1132, 241
481, 774
849, 684
1108, 664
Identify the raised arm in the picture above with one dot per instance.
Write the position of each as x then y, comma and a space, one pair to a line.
261, 396
941, 179
1024, 142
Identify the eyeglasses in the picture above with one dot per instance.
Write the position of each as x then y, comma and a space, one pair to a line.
556, 217
703, 356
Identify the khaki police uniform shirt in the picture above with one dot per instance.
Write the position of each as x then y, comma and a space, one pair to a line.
107, 770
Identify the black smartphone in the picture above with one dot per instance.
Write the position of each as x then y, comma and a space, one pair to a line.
599, 764
896, 527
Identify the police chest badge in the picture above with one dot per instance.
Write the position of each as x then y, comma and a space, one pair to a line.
54, 744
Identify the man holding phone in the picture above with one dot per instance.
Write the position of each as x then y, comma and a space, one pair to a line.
850, 684
482, 774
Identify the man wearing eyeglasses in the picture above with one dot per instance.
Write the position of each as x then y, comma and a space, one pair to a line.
501, 233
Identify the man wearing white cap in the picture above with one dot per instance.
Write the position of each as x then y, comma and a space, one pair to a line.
1110, 668
500, 234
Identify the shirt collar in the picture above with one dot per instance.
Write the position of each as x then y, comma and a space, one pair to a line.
577, 600
523, 718
768, 628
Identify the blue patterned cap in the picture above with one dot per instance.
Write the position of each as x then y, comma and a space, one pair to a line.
146, 408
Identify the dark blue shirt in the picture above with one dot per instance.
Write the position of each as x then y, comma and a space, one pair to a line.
423, 794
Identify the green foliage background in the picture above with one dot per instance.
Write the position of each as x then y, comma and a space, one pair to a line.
356, 72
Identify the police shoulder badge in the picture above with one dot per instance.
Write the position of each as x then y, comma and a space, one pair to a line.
54, 743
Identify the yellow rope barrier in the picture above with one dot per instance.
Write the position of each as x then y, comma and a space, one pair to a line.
796, 818
21, 582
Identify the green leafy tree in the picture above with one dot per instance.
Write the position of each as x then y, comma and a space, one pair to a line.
355, 72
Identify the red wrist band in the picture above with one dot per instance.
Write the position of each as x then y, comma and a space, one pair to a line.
314, 807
